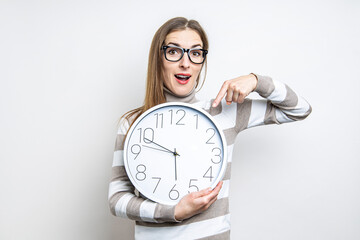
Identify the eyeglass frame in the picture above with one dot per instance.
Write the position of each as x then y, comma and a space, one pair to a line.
185, 50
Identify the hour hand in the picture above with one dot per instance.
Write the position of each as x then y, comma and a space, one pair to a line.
167, 150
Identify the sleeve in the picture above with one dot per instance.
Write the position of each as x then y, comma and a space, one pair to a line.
122, 199
280, 105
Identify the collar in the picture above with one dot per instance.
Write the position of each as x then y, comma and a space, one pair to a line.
172, 97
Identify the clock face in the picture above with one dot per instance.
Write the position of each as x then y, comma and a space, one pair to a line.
174, 149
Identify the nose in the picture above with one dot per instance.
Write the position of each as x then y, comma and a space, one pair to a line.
185, 61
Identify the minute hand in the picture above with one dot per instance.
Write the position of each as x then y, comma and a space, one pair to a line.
175, 153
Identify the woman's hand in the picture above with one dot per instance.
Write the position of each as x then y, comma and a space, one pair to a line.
196, 202
236, 89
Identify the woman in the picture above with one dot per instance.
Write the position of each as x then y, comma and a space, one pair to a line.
177, 56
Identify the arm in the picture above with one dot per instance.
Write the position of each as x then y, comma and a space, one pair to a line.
280, 104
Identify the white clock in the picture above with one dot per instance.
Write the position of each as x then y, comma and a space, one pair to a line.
173, 149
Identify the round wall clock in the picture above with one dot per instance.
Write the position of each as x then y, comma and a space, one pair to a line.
173, 149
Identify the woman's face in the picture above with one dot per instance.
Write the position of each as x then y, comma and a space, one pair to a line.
180, 77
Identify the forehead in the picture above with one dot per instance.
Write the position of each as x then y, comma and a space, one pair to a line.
185, 38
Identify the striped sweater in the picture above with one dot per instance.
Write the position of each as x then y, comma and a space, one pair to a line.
157, 221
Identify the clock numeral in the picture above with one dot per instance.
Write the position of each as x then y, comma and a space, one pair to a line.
193, 186
136, 149
140, 130
212, 135
157, 184
140, 175
197, 120
181, 118
219, 157
171, 116
159, 120
174, 194
208, 174
147, 136
182, 114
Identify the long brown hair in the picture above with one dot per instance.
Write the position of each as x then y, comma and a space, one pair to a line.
154, 82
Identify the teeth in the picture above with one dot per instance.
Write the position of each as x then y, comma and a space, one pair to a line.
182, 77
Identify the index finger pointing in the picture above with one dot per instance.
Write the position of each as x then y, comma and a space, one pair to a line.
221, 94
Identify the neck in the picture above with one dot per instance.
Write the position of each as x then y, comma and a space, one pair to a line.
172, 97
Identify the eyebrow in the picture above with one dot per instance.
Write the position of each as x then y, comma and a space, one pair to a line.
178, 45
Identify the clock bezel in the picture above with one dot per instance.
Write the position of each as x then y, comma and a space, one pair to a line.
217, 179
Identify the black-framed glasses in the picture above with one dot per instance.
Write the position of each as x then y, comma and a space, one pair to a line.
174, 54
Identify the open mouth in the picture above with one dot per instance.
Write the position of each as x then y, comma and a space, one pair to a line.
182, 78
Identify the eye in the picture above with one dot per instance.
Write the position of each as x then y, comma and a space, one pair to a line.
173, 51
196, 53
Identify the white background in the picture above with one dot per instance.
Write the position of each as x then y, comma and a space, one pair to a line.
70, 69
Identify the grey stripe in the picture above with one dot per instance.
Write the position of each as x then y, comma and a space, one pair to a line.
164, 213
119, 143
171, 97
215, 111
227, 174
217, 209
133, 208
243, 113
291, 99
270, 116
119, 174
265, 86
220, 236
114, 199
230, 135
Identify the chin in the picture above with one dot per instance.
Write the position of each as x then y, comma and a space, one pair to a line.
183, 90
182, 93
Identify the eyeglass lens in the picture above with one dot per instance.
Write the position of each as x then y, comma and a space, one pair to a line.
175, 54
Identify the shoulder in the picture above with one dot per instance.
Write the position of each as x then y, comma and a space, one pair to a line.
127, 119
125, 123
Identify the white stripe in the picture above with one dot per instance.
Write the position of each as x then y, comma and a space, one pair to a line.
118, 159
203, 104
301, 108
147, 210
195, 230
258, 110
230, 152
279, 93
120, 207
281, 117
124, 126
228, 115
224, 192
119, 186
303, 104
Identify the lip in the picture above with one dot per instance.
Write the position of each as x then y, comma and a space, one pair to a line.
184, 74
183, 82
